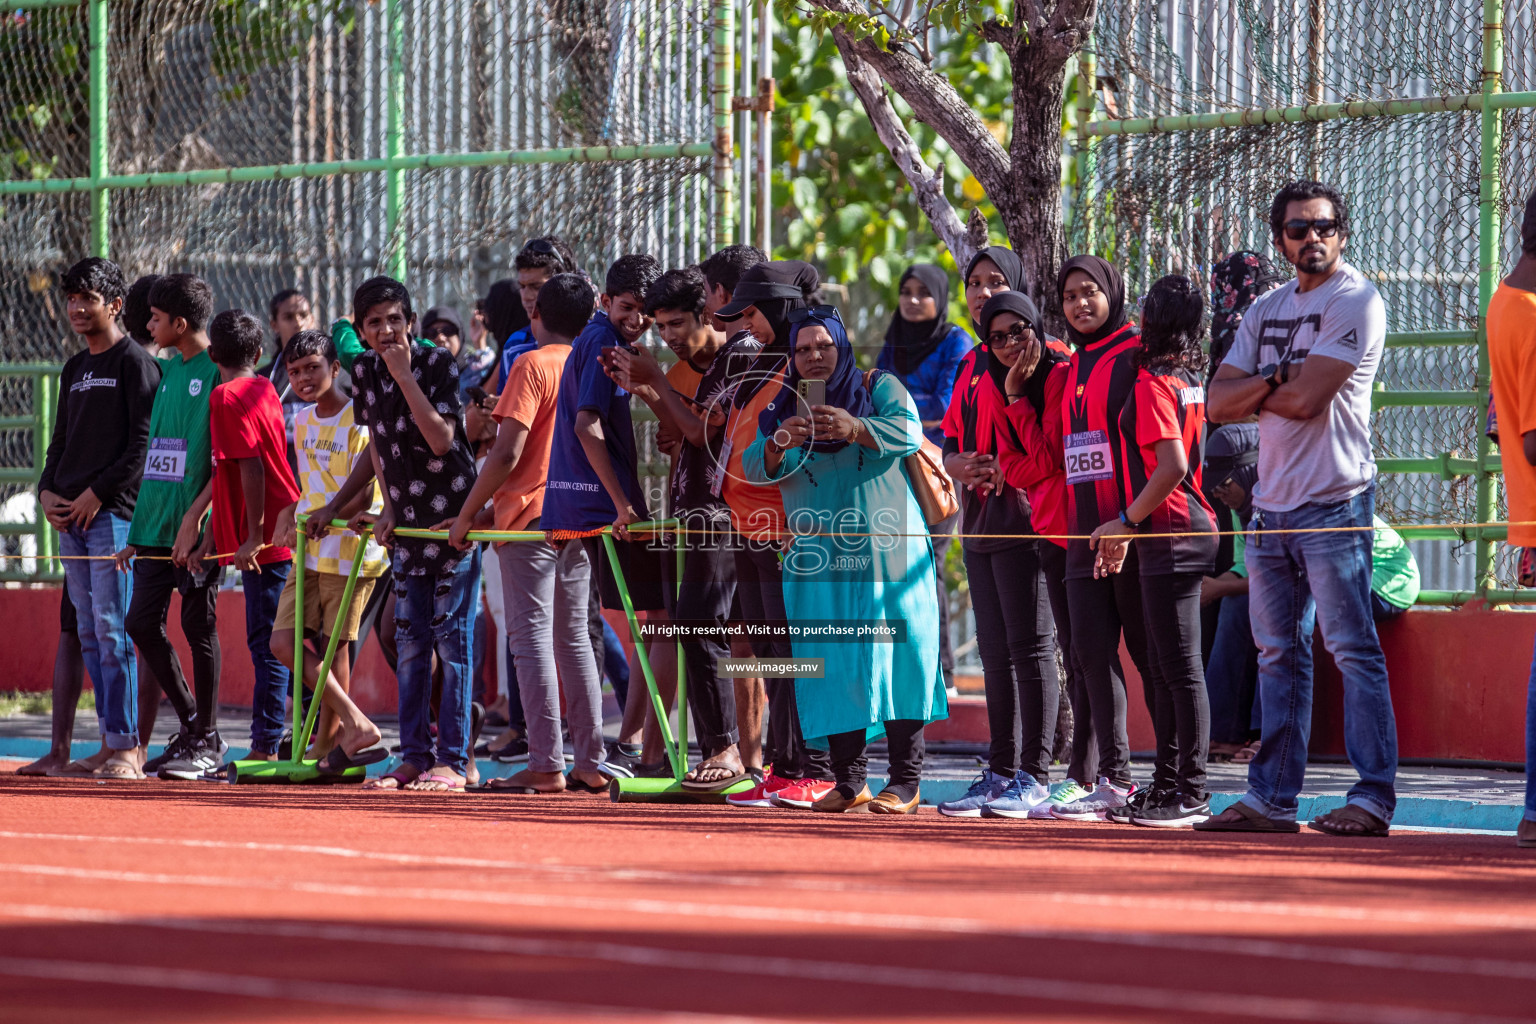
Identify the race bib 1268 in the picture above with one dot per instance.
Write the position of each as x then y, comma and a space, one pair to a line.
167, 459
1087, 457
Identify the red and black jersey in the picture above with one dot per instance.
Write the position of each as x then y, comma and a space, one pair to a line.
1169, 405
975, 415
1100, 380
1030, 455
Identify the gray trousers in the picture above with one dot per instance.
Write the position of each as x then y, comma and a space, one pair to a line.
546, 601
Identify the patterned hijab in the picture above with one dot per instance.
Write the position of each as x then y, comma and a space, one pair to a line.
1235, 283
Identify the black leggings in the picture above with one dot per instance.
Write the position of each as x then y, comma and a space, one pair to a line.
1181, 714
154, 580
1100, 609
1085, 747
904, 741
1018, 657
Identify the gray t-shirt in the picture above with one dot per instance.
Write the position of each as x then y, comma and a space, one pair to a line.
1327, 458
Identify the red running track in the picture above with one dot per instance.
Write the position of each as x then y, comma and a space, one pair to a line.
197, 902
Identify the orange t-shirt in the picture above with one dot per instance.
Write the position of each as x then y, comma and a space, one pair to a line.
756, 509
529, 398
1512, 357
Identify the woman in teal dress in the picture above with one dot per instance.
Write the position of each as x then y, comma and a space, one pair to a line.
860, 557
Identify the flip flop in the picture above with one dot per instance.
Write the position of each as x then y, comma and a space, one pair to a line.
579, 786
116, 769
714, 785
448, 785
338, 761
400, 777
1241, 818
75, 770
1333, 823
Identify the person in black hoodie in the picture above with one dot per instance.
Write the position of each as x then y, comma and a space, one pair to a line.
89, 485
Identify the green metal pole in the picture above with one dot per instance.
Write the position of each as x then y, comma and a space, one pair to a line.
42, 432
301, 736
682, 677
1087, 78
1488, 237
296, 754
96, 28
724, 73
394, 137
674, 754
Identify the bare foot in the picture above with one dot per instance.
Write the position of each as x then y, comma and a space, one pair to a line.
400, 778
85, 767
360, 737
45, 765
528, 780
595, 780
718, 768
441, 779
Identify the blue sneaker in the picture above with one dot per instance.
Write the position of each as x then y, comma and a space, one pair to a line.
984, 788
1021, 797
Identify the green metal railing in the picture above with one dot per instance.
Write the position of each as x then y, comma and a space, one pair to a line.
45, 387
1483, 464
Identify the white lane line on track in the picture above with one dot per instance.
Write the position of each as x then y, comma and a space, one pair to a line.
959, 983
402, 1000
652, 956
744, 912
1522, 922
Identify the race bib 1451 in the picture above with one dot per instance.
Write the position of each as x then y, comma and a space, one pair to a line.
167, 459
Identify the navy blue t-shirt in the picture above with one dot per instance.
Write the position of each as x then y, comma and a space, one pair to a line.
517, 343
574, 498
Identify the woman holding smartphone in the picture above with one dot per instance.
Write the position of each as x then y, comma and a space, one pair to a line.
861, 552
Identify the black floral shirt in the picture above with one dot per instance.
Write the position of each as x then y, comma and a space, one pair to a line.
424, 488
696, 479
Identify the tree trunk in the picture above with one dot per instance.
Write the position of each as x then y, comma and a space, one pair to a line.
1032, 218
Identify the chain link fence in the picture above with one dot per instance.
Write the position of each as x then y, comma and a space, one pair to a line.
1176, 201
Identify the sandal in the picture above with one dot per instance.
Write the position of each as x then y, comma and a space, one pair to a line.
1350, 820
1246, 753
81, 769
118, 769
338, 760
694, 784
431, 782
1242, 818
401, 777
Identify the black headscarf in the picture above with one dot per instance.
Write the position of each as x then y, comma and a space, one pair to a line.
503, 310
1019, 304
1006, 260
1108, 279
1232, 451
776, 289
1236, 282
912, 342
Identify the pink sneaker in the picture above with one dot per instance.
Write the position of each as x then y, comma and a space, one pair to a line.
759, 795
803, 793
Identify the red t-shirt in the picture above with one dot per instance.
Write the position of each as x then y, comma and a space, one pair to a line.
1168, 406
974, 420
246, 422
1031, 457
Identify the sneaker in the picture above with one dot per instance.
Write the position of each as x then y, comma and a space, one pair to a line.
1173, 811
174, 748
618, 764
1093, 807
760, 795
513, 750
802, 794
985, 787
197, 756
1065, 792
1133, 805
1021, 797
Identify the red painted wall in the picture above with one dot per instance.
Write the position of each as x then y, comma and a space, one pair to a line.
1459, 678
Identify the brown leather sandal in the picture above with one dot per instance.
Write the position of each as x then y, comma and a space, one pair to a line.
1351, 820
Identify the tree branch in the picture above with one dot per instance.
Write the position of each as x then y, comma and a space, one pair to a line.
933, 100
928, 185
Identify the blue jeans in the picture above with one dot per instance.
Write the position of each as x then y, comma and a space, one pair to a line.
100, 595
1297, 582
1230, 676
436, 613
1530, 745
269, 699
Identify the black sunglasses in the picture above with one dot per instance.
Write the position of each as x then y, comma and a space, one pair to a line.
1015, 330
800, 316
1296, 230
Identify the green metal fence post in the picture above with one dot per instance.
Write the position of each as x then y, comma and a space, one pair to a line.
394, 136
1489, 224
96, 33
725, 66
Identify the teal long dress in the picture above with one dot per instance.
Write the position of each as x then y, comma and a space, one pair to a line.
862, 579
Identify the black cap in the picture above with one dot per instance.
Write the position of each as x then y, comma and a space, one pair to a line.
781, 279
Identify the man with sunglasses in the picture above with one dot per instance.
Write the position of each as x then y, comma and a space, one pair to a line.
1305, 359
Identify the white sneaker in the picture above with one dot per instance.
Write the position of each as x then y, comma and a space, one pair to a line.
1065, 792
1096, 805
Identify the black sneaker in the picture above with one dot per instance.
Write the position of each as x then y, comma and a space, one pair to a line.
620, 765
1176, 810
174, 747
197, 757
1136, 801
514, 750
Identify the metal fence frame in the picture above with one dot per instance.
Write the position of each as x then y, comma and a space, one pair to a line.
1485, 467
395, 164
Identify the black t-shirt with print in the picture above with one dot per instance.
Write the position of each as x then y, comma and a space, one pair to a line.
695, 487
424, 488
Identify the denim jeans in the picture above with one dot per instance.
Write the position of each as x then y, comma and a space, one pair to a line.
1232, 674
1297, 582
434, 613
270, 694
1530, 744
100, 595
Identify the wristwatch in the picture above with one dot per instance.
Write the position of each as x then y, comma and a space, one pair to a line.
1127, 521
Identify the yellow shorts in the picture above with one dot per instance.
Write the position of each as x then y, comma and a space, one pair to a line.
322, 599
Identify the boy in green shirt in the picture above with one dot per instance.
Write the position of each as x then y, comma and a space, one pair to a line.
175, 495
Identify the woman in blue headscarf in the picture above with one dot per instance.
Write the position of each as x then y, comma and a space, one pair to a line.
860, 557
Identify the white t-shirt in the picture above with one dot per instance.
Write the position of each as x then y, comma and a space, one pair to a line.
1327, 458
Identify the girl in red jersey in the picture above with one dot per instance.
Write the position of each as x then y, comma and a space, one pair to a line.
1100, 379
1162, 437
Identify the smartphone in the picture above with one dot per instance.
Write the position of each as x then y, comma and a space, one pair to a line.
813, 392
